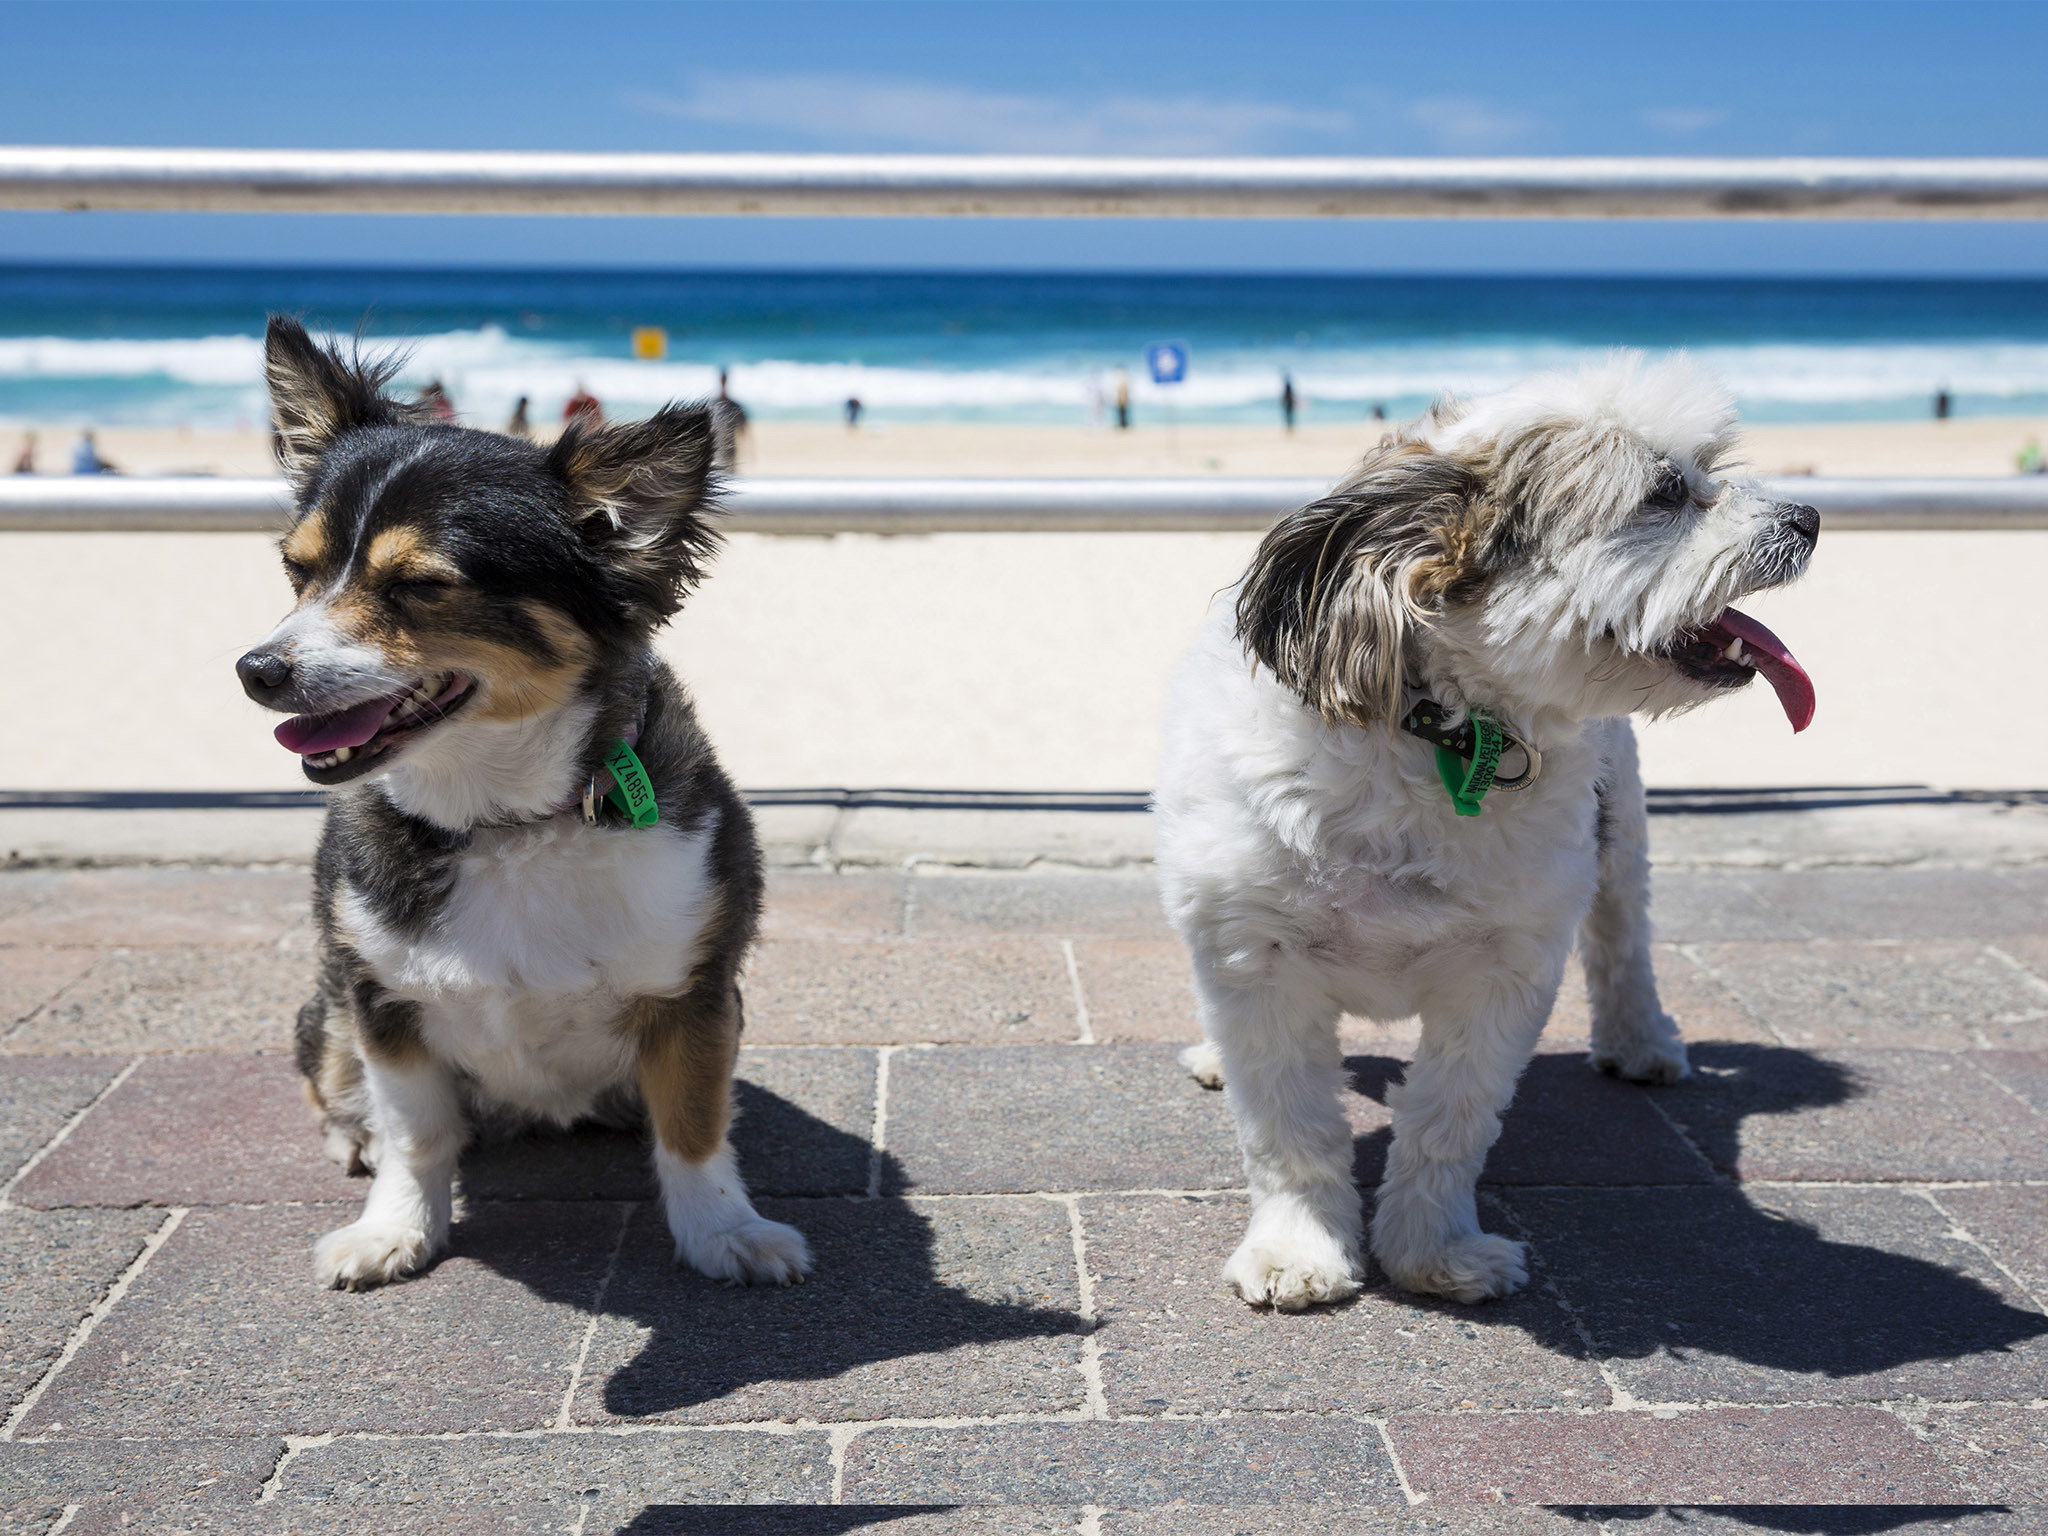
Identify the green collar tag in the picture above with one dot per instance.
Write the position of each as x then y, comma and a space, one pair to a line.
633, 792
1468, 786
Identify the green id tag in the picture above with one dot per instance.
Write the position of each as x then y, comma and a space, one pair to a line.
632, 791
1468, 785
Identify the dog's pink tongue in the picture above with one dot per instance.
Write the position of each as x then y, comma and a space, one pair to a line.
1772, 657
309, 734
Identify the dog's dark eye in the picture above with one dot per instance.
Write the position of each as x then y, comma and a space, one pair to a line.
1669, 489
419, 589
297, 574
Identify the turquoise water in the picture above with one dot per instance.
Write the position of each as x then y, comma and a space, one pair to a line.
163, 346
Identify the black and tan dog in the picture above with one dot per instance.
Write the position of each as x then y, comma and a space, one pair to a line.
470, 649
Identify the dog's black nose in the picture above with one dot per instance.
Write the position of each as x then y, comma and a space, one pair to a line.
263, 674
1803, 520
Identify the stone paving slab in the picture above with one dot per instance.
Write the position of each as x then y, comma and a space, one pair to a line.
220, 1129
1343, 1520
563, 1472
2023, 1074
913, 1309
1784, 1294
116, 1478
32, 974
1689, 906
194, 904
1137, 989
840, 992
53, 1267
802, 1125
273, 1519
1801, 1454
1848, 1519
2010, 1220
175, 998
1126, 1464
826, 904
194, 1130
1103, 905
836, 1520
226, 1332
1923, 904
1994, 1451
1174, 1339
39, 1095
1762, 1112
1568, 1124
1935, 995
1055, 1117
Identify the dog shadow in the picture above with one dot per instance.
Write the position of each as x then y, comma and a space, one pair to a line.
776, 1520
1801, 1519
668, 1339
1660, 1255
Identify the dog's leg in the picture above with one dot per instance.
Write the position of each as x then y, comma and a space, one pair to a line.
1281, 1073
417, 1119
1477, 1035
1204, 1063
687, 1046
1633, 1036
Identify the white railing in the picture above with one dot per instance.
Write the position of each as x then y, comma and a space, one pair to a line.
505, 182
200, 504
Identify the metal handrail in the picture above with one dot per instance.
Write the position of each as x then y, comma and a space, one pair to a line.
515, 182
202, 504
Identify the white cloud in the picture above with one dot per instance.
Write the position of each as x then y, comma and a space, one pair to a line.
1683, 120
863, 111
1467, 124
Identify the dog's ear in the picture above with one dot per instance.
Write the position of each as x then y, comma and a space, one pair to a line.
316, 393
644, 495
1336, 590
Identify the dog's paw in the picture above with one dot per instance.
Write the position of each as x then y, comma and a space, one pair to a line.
365, 1253
756, 1251
1204, 1063
1291, 1275
1469, 1269
1643, 1061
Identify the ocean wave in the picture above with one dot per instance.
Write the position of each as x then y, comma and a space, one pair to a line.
208, 379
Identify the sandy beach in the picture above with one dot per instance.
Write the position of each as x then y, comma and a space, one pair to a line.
1976, 446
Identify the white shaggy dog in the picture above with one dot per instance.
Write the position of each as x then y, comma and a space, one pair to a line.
1539, 563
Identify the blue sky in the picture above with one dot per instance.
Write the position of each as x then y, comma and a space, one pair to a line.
1798, 77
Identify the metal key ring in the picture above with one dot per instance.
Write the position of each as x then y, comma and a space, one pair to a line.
1531, 757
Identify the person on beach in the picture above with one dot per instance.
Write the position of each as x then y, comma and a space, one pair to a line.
731, 415
85, 456
853, 410
1123, 401
1287, 400
25, 461
520, 425
435, 399
1941, 403
583, 406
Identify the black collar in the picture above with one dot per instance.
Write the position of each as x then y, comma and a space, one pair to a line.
1429, 721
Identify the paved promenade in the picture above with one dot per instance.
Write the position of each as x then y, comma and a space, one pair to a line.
1813, 1275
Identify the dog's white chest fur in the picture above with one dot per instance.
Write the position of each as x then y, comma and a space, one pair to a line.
545, 934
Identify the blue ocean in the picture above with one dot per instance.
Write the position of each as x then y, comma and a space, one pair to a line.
173, 346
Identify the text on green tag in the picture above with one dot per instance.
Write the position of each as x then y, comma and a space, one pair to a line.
632, 791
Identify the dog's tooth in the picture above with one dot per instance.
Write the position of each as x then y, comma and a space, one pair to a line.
343, 754
1734, 650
